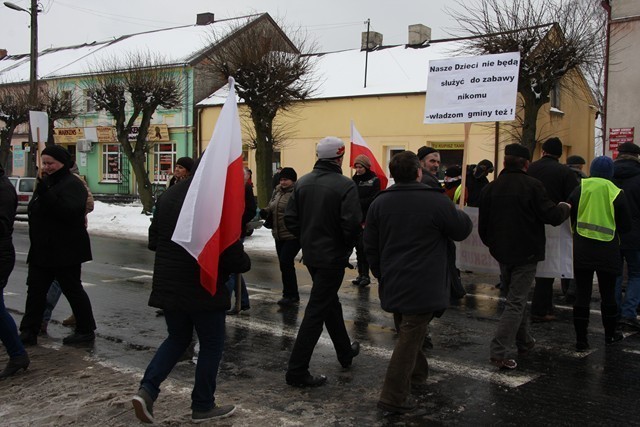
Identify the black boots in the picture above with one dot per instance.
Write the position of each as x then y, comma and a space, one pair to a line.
14, 365
581, 323
610, 323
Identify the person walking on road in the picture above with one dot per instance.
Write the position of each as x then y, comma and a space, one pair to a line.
512, 213
406, 238
626, 175
559, 181
324, 212
59, 245
18, 358
368, 187
599, 214
287, 245
187, 305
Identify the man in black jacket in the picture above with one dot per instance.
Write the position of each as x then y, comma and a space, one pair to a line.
626, 175
513, 211
559, 181
59, 245
409, 226
324, 212
187, 305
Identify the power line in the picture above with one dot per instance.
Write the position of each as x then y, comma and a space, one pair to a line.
111, 16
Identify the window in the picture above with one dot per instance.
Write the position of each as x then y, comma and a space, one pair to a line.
111, 158
88, 101
65, 100
391, 151
555, 96
164, 158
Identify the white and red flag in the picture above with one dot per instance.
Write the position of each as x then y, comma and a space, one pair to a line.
359, 146
211, 216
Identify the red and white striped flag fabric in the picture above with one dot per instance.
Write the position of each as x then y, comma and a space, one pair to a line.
359, 146
211, 216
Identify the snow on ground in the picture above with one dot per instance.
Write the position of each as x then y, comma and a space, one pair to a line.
127, 222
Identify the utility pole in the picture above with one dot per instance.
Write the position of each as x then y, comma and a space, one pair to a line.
366, 52
33, 75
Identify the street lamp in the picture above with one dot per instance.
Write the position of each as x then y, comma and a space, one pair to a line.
33, 69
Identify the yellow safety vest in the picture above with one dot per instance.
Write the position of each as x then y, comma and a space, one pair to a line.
596, 215
456, 194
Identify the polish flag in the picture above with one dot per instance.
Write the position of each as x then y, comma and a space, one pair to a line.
359, 146
211, 216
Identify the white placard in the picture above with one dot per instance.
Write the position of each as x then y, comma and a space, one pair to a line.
39, 125
472, 89
473, 255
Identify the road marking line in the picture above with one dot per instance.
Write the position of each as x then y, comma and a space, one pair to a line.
124, 279
492, 298
137, 270
512, 380
628, 350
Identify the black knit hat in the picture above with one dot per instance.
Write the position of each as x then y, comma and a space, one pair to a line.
59, 153
553, 146
289, 173
576, 160
517, 150
185, 162
425, 151
629, 148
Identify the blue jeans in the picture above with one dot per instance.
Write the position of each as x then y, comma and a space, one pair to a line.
231, 286
8, 330
209, 326
52, 300
632, 295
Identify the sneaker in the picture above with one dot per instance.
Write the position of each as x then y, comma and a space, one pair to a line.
216, 413
79, 338
143, 405
69, 321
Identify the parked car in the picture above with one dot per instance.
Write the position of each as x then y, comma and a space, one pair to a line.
24, 187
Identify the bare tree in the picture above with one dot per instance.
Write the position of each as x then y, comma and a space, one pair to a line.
14, 110
131, 91
555, 38
58, 104
272, 73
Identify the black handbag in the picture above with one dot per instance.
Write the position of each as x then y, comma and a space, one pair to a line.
268, 221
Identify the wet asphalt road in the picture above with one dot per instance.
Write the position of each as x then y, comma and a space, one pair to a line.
553, 385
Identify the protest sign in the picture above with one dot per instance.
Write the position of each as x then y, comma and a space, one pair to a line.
472, 89
473, 255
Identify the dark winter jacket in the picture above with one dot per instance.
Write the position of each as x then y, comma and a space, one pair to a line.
250, 208
474, 189
594, 254
8, 205
57, 229
512, 214
430, 180
407, 231
626, 175
558, 179
324, 212
277, 206
176, 274
368, 187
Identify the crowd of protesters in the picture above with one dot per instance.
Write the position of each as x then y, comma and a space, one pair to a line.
403, 237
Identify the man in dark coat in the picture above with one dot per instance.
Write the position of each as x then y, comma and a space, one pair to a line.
59, 246
406, 237
513, 211
477, 180
559, 181
18, 358
626, 175
324, 212
187, 305
430, 163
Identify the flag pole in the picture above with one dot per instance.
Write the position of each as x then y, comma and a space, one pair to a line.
465, 154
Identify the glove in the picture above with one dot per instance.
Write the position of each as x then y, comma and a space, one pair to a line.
263, 214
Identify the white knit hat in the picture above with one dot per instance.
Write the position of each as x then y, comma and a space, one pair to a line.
330, 148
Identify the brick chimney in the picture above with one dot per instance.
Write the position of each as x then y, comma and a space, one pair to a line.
3, 53
375, 40
419, 34
204, 18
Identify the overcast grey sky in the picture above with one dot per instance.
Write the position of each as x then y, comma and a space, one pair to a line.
334, 24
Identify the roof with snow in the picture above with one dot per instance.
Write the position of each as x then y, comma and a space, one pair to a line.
174, 46
390, 70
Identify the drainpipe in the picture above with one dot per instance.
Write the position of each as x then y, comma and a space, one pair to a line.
185, 72
607, 7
